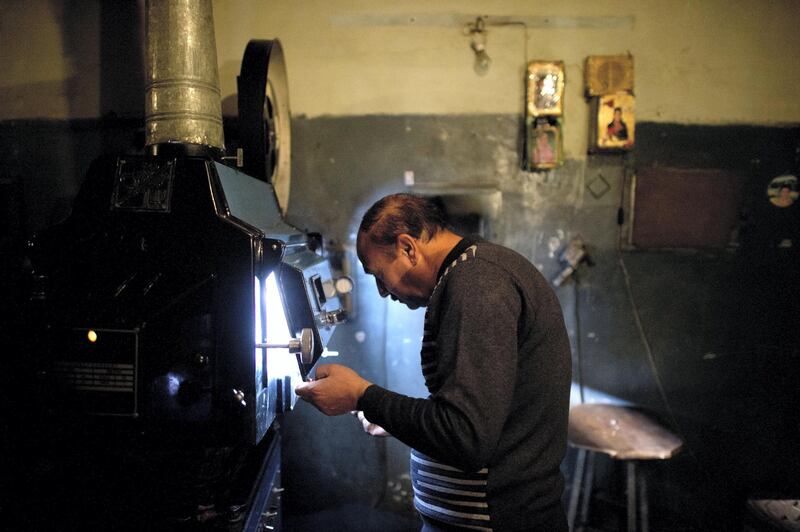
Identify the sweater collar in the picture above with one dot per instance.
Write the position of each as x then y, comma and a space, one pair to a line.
457, 250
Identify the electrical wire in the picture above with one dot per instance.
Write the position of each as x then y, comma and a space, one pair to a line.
634, 307
525, 33
643, 335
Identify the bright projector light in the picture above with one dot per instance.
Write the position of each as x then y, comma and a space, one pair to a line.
271, 327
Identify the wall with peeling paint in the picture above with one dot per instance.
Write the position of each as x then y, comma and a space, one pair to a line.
690, 302
710, 62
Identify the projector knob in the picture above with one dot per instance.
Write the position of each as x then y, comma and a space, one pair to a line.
303, 345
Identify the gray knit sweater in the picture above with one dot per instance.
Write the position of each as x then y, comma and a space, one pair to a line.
489, 440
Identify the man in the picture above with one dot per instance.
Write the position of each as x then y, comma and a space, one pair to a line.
488, 441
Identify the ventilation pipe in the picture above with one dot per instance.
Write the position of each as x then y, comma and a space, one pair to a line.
182, 97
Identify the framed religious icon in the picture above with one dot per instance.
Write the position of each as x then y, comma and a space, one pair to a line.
545, 88
544, 145
614, 122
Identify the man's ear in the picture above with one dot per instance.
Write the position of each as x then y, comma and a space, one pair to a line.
407, 245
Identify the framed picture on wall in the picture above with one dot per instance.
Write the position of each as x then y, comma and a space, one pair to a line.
614, 122
545, 88
544, 145
607, 74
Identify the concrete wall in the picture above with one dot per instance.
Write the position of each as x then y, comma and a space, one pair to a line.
710, 62
716, 367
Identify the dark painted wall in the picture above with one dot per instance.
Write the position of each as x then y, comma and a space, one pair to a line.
720, 323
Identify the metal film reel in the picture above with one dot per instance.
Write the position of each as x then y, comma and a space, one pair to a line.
264, 117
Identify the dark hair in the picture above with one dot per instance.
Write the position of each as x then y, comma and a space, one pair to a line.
402, 213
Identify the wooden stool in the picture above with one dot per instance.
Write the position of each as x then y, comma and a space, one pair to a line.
623, 434
781, 514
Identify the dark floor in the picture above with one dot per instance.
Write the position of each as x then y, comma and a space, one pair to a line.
352, 518
607, 516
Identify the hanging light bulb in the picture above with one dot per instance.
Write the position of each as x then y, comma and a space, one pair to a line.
482, 59
477, 33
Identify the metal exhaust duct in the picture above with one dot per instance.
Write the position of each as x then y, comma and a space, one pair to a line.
182, 97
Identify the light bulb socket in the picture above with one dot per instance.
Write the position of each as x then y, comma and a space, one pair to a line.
477, 33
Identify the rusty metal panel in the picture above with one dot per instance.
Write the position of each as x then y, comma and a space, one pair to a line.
685, 207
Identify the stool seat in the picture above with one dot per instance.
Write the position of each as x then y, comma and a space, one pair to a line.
781, 514
624, 434
620, 432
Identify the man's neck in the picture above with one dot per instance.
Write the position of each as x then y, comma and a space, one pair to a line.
440, 247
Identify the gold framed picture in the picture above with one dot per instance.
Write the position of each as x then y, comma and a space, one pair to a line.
607, 74
615, 121
544, 145
545, 88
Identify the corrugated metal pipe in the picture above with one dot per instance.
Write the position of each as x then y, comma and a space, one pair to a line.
182, 97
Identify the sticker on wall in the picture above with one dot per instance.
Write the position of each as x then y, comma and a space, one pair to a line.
782, 190
615, 121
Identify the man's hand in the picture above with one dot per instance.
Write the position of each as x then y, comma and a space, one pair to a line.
371, 428
335, 390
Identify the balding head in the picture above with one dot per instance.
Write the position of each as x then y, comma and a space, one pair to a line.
399, 214
402, 241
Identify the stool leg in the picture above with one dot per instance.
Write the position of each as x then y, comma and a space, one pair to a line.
631, 478
575, 491
587, 490
644, 510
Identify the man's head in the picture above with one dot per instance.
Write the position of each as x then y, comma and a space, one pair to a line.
394, 245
